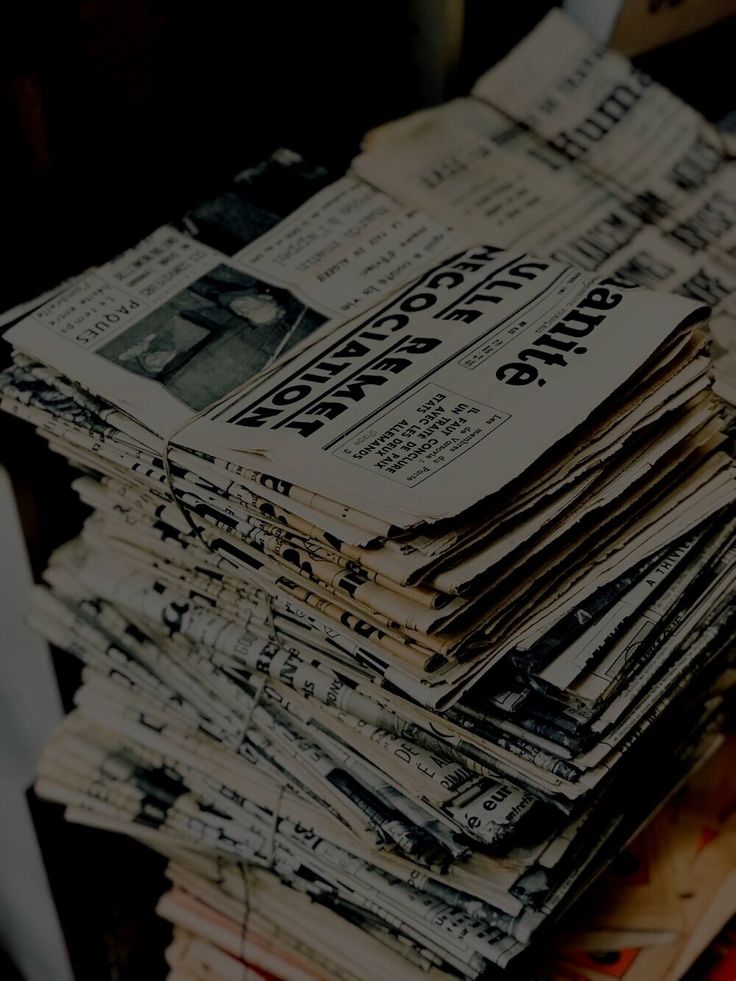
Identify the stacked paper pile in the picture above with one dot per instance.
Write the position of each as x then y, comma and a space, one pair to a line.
647, 919
407, 591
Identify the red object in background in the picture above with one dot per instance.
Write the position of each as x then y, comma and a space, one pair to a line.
614, 963
725, 970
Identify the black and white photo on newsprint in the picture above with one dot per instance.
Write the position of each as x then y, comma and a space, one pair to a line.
213, 336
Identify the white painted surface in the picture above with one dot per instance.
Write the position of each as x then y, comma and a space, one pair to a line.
597, 16
29, 709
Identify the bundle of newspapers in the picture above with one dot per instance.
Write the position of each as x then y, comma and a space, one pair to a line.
407, 590
648, 918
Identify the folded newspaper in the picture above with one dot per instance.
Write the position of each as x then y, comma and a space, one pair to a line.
407, 590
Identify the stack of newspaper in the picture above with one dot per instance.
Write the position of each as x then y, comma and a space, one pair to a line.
647, 919
408, 587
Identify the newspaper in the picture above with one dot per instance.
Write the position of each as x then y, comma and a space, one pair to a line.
595, 107
408, 583
146, 725
146, 329
392, 421
561, 170
255, 557
467, 163
304, 769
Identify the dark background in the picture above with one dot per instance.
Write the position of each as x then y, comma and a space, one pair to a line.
115, 116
